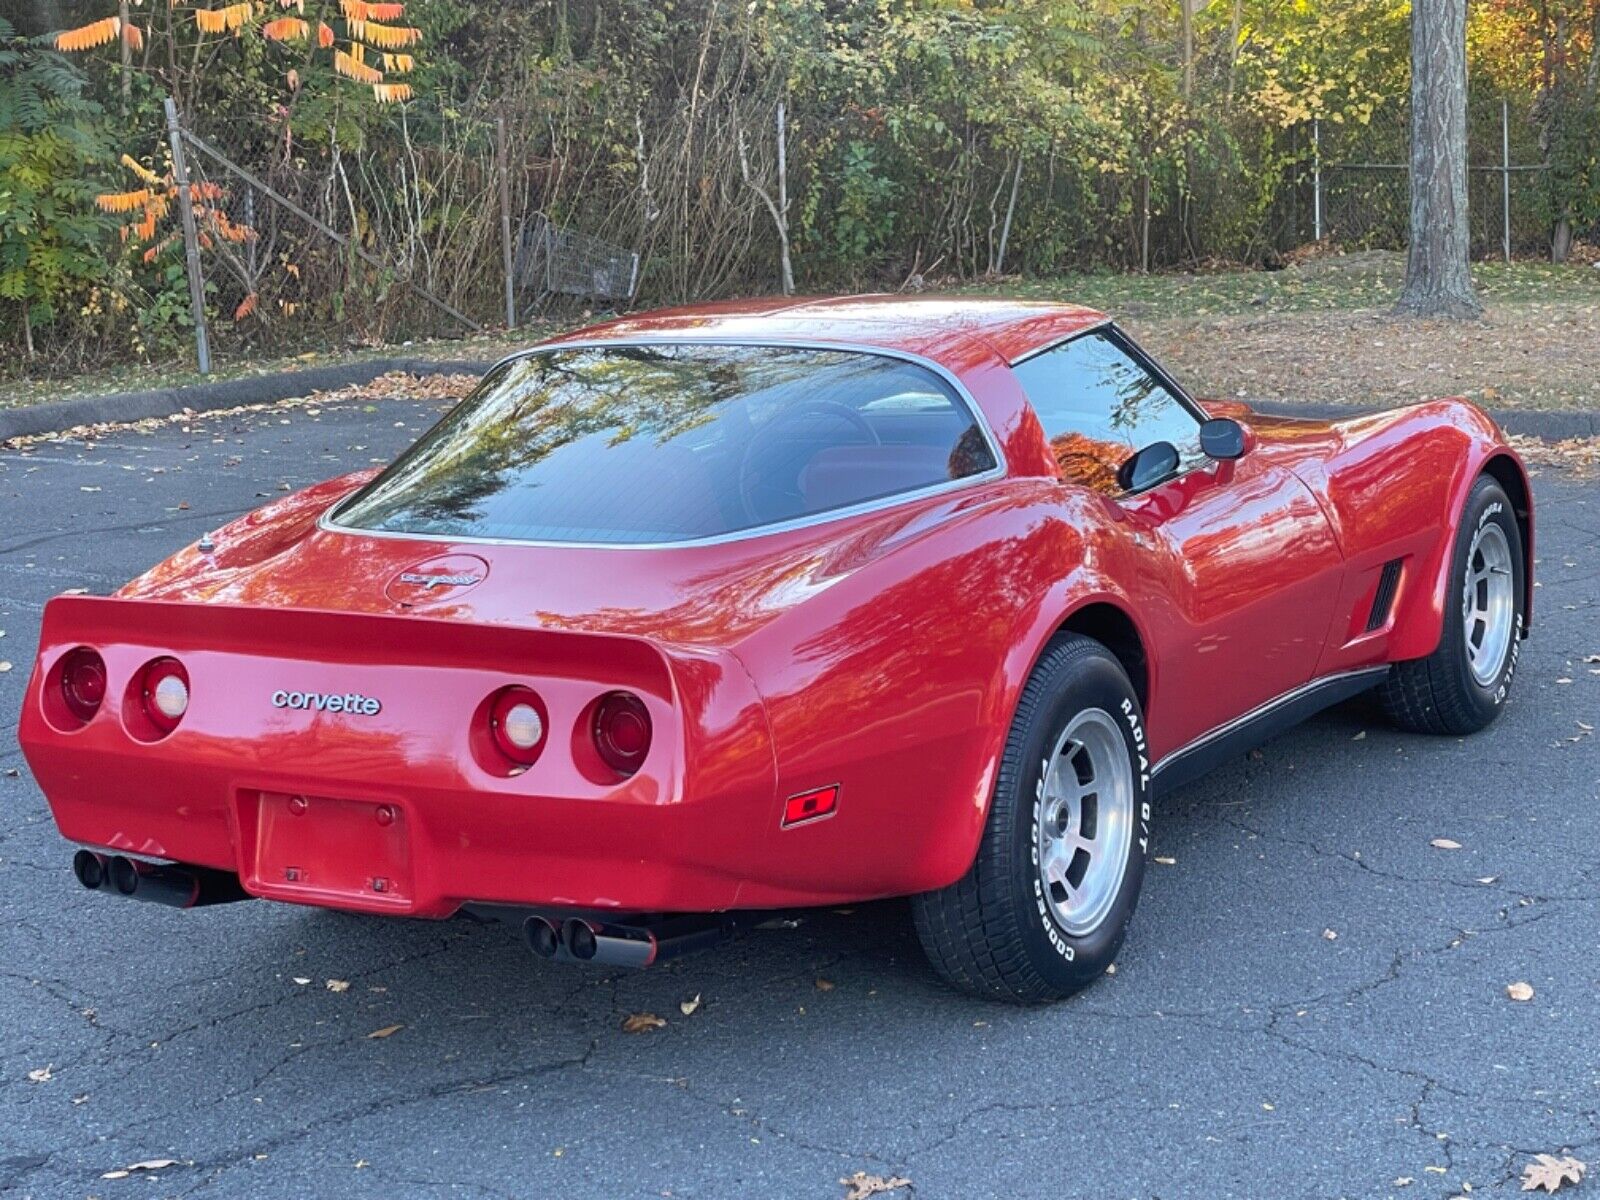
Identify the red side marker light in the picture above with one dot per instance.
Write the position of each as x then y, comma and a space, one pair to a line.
810, 806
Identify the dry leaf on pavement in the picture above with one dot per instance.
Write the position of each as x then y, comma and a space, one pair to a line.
153, 1164
687, 1007
1520, 990
386, 1031
42, 1075
824, 985
642, 1022
1444, 844
860, 1186
338, 985
1549, 1172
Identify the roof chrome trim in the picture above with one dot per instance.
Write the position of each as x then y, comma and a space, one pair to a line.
1261, 710
328, 521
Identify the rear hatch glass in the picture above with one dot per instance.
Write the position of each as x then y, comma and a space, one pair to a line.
640, 444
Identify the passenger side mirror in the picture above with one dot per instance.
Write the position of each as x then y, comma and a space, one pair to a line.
1223, 438
1148, 467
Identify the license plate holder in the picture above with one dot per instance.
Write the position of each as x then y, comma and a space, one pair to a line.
310, 848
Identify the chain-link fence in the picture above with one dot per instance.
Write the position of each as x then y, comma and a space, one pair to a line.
1358, 180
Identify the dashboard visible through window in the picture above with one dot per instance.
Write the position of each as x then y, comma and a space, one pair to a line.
1099, 405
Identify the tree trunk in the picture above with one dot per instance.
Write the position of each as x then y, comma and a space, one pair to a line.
1235, 24
1186, 20
125, 54
1438, 278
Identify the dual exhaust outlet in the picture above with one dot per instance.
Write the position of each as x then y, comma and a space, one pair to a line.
578, 939
556, 937
173, 886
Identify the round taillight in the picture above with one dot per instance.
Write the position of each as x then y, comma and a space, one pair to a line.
622, 731
517, 721
165, 688
83, 682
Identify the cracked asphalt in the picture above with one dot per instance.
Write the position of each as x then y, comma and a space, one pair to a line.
1312, 1002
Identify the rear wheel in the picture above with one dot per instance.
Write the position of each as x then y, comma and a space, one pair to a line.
1043, 910
1462, 686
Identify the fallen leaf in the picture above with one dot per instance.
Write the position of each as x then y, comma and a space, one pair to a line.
4, 667
153, 1164
302, 980
386, 1031
1444, 844
1549, 1172
860, 1186
824, 985
1329, 935
1360, 736
338, 985
1488, 879
642, 1022
1403, 1181
687, 1007
42, 1075
1520, 990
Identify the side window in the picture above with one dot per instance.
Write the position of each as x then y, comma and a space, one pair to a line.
1098, 407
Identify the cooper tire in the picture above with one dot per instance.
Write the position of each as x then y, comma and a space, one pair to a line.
1458, 689
1018, 926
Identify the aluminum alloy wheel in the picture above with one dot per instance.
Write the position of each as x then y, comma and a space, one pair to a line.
1085, 821
1488, 606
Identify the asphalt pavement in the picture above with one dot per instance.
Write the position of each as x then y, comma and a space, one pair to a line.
1312, 1002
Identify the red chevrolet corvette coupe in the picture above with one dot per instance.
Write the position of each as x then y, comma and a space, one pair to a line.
690, 617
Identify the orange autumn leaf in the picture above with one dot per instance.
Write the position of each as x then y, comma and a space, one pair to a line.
286, 29
87, 37
387, 37
293, 79
220, 20
324, 35
133, 35
246, 307
113, 202
142, 171
398, 63
352, 68
391, 93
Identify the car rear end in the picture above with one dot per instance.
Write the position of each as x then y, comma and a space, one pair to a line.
399, 764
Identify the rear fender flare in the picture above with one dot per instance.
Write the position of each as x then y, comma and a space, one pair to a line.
1037, 627
1420, 623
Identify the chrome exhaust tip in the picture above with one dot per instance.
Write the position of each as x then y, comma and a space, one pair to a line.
542, 937
580, 940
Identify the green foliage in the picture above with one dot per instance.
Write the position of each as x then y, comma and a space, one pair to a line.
52, 139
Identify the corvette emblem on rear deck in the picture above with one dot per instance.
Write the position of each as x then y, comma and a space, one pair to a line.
347, 702
434, 580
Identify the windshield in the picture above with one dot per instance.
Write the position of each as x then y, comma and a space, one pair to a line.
661, 443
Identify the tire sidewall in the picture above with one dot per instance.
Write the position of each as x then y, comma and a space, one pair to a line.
1066, 960
1487, 503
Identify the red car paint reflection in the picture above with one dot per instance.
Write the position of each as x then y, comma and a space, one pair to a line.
874, 658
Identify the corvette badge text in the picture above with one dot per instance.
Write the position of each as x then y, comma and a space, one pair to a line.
349, 702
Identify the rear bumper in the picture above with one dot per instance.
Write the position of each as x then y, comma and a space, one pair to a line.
395, 811
430, 855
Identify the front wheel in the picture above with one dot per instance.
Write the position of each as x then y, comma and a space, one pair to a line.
1044, 908
1462, 686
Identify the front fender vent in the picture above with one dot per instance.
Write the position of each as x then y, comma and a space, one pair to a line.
1388, 582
